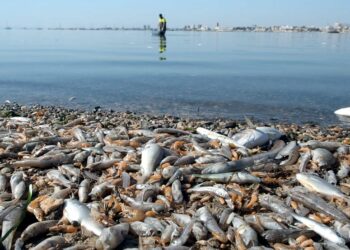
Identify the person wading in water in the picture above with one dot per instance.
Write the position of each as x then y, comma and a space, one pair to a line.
162, 25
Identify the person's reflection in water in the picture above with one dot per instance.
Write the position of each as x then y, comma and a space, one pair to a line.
162, 47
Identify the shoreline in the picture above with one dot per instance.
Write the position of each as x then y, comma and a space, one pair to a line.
16, 109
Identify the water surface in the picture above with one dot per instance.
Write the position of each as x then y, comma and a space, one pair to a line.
294, 77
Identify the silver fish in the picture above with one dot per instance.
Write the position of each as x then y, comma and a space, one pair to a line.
176, 192
57, 176
251, 138
238, 177
112, 237
219, 191
142, 229
54, 242
323, 157
320, 229
210, 223
150, 159
77, 212
83, 191
316, 203
247, 233
144, 206
316, 184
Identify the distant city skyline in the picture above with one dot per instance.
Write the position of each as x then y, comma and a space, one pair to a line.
136, 13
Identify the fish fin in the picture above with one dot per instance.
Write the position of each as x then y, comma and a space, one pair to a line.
249, 122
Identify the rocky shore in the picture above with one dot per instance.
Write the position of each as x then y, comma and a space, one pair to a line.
75, 179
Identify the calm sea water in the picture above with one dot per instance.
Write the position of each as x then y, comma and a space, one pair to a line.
294, 77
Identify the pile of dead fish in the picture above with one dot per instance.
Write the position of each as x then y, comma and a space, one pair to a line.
105, 180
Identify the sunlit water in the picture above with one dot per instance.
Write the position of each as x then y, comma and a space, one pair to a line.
294, 77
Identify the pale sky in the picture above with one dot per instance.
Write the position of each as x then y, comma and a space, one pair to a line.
136, 13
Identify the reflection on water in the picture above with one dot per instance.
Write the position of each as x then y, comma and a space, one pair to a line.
162, 48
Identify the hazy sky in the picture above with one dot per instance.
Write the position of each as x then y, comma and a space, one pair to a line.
52, 13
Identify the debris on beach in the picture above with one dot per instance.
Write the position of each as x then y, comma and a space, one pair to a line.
72, 179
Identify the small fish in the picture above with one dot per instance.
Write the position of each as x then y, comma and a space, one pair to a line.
282, 235
238, 177
276, 205
251, 138
54, 242
36, 229
83, 191
316, 184
316, 203
57, 176
184, 236
112, 237
323, 157
144, 206
150, 159
176, 192
142, 229
321, 230
246, 232
210, 223
221, 192
77, 212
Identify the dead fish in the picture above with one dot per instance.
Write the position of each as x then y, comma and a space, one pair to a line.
316, 203
78, 213
181, 219
276, 205
221, 192
272, 133
215, 136
151, 156
291, 150
238, 177
70, 170
12, 219
304, 160
246, 232
112, 237
36, 229
142, 229
316, 184
199, 231
184, 236
344, 170
81, 157
54, 242
320, 229
210, 223
45, 161
102, 165
44, 150
18, 187
251, 138
323, 157
185, 160
331, 178
57, 176
176, 192
101, 189
265, 221
282, 235
84, 189
330, 146
245, 162
144, 206
78, 134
